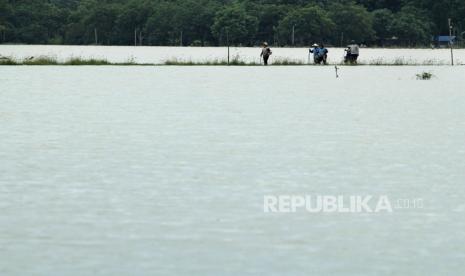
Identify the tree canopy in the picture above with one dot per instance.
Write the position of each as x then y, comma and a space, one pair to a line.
217, 22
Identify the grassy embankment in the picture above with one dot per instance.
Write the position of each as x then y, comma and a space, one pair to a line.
218, 62
80, 61
236, 61
52, 61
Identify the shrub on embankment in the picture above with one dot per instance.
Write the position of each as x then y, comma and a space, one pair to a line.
53, 61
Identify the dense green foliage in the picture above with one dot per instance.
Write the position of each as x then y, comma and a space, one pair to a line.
215, 22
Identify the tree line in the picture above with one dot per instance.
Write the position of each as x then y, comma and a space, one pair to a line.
235, 22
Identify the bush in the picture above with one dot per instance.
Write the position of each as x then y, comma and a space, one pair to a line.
78, 61
40, 61
7, 61
424, 76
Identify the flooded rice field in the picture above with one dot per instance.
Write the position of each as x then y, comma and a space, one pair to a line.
163, 170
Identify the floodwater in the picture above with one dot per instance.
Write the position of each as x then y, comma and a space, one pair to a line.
158, 55
163, 170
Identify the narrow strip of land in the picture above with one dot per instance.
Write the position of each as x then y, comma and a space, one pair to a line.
235, 62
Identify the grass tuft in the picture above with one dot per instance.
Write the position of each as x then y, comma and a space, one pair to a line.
425, 76
40, 61
7, 61
287, 62
79, 61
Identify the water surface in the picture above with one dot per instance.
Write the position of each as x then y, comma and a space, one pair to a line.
162, 170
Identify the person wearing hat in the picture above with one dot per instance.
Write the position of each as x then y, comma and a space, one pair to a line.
266, 53
316, 53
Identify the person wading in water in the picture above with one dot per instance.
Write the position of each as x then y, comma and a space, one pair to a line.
352, 52
323, 53
266, 53
316, 53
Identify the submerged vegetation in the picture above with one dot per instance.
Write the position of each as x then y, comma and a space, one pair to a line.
425, 76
